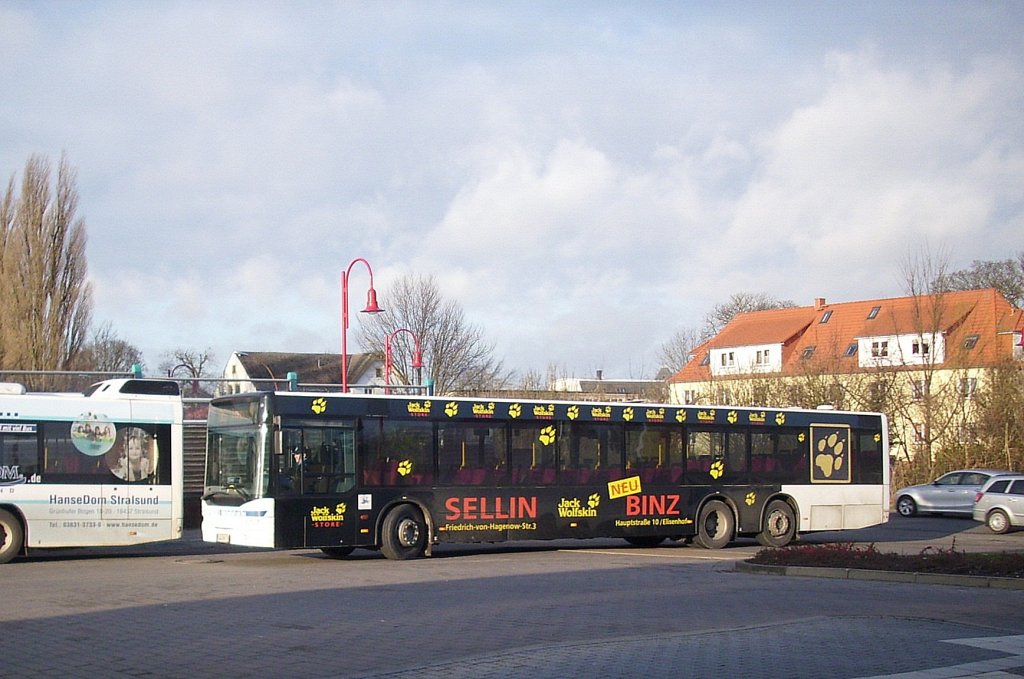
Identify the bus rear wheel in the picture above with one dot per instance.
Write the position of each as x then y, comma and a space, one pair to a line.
715, 525
404, 534
11, 536
779, 526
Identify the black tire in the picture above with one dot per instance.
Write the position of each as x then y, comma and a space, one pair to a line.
404, 533
337, 552
779, 527
906, 506
715, 525
646, 540
997, 521
12, 536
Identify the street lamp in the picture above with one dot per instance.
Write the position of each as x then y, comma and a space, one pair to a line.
371, 308
417, 356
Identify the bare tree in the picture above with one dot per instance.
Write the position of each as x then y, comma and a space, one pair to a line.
738, 303
677, 351
106, 352
191, 364
45, 300
1006, 276
456, 354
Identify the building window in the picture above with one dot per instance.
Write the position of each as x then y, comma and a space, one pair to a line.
808, 352
968, 385
706, 360
689, 397
825, 316
880, 349
874, 312
971, 341
920, 389
852, 349
920, 432
762, 357
920, 348
728, 359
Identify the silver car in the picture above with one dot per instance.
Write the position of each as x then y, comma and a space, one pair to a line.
951, 493
1000, 503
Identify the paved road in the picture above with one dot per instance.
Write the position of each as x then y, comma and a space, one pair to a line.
592, 608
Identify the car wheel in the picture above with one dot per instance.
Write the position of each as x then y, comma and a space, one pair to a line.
906, 506
997, 521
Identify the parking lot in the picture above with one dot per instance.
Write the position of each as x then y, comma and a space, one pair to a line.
597, 607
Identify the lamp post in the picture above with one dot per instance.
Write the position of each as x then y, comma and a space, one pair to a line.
417, 356
371, 308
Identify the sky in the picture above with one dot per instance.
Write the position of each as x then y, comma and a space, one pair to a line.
584, 179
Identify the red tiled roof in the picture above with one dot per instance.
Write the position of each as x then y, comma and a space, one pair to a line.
958, 315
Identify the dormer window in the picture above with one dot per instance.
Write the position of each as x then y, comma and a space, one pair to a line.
706, 360
808, 352
880, 349
920, 348
825, 316
874, 312
971, 341
852, 349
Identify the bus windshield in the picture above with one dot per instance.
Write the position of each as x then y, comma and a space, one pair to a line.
237, 459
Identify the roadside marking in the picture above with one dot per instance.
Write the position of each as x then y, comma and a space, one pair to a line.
652, 555
1012, 645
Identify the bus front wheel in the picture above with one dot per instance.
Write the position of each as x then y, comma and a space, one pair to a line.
715, 525
404, 534
11, 536
779, 527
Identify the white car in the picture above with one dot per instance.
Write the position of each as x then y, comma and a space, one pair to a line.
951, 493
1000, 503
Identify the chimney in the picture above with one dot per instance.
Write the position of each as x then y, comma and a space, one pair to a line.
599, 373
819, 303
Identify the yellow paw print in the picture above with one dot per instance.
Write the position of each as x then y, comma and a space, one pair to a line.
340, 508
594, 500
515, 410
573, 413
405, 467
680, 416
732, 417
547, 435
831, 453
452, 409
750, 499
627, 414
801, 437
717, 469
780, 419
319, 405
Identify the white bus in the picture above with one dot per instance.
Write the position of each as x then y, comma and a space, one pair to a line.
95, 469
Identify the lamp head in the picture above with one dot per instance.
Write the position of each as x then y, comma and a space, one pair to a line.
371, 303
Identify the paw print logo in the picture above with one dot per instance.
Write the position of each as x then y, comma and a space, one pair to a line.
340, 508
830, 456
573, 413
717, 469
750, 499
801, 437
515, 410
451, 409
627, 414
680, 416
732, 417
405, 467
594, 500
780, 419
878, 438
319, 405
547, 435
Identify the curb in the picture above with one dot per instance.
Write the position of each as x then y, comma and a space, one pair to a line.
882, 576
